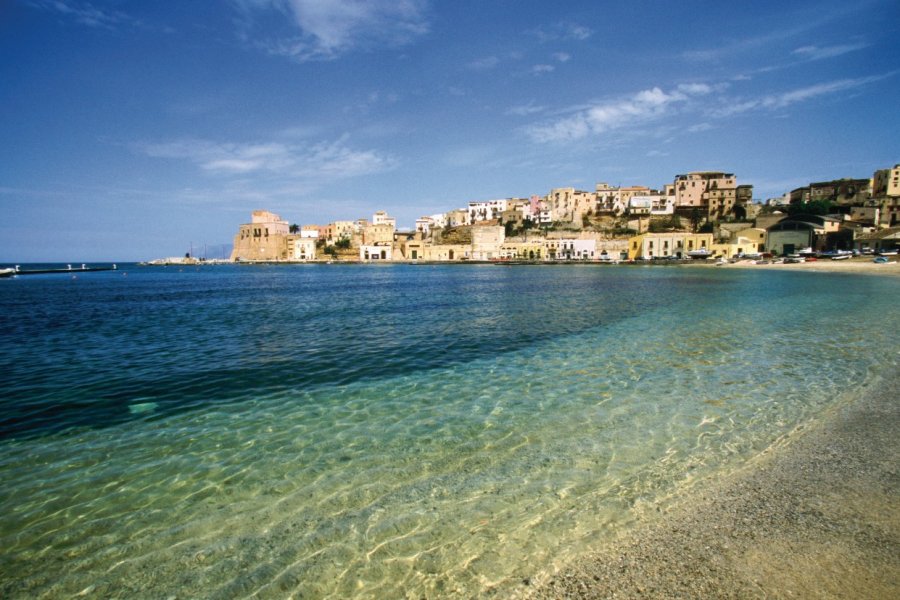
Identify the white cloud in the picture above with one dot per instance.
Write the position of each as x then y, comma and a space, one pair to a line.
330, 28
595, 119
331, 160
817, 53
541, 69
562, 56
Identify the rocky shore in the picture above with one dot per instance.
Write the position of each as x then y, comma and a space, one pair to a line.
816, 516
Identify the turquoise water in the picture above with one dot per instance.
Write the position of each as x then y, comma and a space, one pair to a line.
391, 431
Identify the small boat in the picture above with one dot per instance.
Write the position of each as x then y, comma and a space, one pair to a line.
840, 257
880, 260
888, 252
8, 272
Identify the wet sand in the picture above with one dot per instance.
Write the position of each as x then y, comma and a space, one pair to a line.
815, 516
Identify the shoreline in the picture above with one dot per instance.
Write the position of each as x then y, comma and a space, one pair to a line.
814, 516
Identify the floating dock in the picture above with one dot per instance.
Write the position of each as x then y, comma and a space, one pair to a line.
68, 270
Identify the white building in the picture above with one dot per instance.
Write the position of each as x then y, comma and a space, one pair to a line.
424, 225
458, 217
608, 200
382, 218
572, 249
651, 204
370, 253
439, 220
302, 248
487, 210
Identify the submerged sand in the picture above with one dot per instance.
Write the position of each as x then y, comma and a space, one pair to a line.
816, 516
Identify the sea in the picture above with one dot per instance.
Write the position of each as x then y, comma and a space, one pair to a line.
393, 431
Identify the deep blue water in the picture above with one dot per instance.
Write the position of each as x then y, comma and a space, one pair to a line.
82, 351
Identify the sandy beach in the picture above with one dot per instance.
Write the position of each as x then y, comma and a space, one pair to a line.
860, 265
815, 516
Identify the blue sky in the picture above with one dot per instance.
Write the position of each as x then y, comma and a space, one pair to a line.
132, 130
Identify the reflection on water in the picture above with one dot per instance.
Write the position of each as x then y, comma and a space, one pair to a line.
389, 432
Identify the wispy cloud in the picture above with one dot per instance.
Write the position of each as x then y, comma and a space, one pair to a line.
819, 53
524, 110
543, 68
804, 22
83, 13
788, 98
598, 118
325, 160
485, 63
331, 28
563, 31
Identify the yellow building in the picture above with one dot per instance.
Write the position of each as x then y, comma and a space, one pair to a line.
886, 182
264, 238
676, 245
533, 250
381, 234
570, 205
448, 252
486, 242
741, 246
339, 230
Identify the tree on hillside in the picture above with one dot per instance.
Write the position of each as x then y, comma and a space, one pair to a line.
814, 207
586, 219
695, 220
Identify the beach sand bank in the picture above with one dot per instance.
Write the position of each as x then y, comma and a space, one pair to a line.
815, 516
863, 266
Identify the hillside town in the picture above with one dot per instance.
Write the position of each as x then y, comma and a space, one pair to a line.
700, 215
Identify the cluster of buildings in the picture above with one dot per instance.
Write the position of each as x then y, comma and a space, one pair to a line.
700, 214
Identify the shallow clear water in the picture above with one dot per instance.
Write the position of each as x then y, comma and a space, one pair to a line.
335, 431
